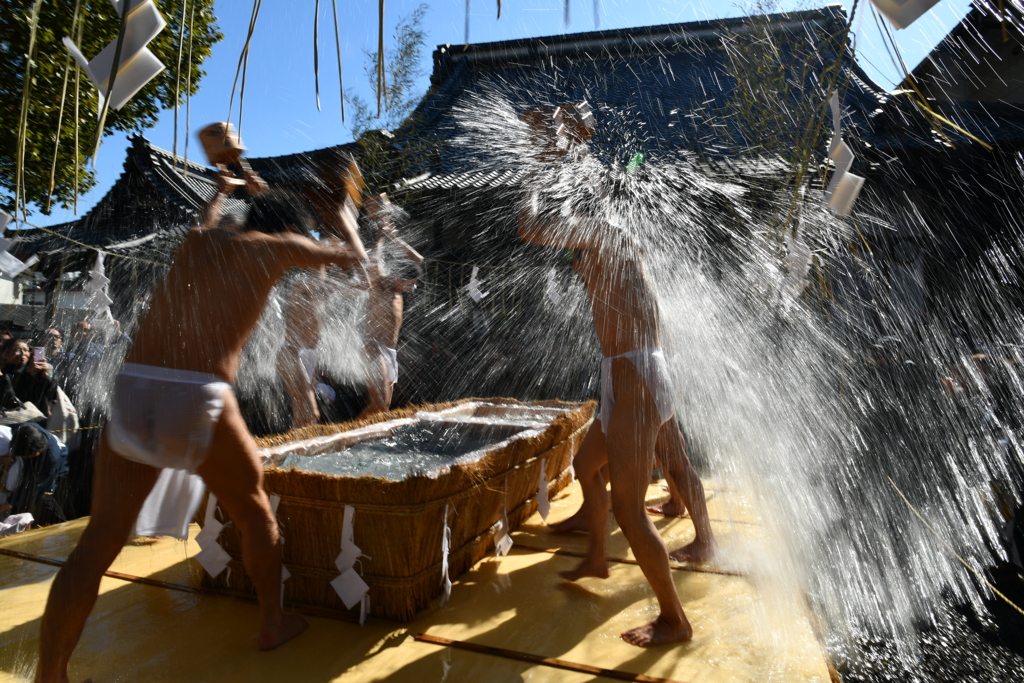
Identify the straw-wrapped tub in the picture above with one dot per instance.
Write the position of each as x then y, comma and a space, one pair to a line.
399, 525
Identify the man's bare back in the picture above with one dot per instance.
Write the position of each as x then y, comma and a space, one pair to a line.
203, 312
198, 321
626, 320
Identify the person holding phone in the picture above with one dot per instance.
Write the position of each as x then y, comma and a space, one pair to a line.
29, 374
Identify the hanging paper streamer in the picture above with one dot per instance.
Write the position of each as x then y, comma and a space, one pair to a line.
552, 287
446, 544
572, 449
137, 65
543, 504
349, 586
473, 288
504, 542
903, 13
213, 558
842, 191
95, 289
10, 265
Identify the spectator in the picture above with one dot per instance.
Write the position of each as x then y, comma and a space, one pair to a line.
117, 337
32, 463
53, 341
29, 378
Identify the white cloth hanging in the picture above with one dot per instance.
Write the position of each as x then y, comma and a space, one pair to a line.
171, 505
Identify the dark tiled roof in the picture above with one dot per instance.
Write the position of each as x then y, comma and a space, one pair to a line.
659, 89
158, 197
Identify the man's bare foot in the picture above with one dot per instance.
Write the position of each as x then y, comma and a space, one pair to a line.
659, 632
670, 508
697, 551
578, 522
291, 626
588, 567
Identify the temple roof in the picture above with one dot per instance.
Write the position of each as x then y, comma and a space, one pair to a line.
156, 199
660, 90
656, 89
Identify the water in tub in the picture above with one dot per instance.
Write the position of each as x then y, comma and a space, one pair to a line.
422, 448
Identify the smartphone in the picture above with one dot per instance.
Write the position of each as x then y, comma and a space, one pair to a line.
38, 353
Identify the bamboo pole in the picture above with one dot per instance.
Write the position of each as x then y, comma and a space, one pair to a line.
26, 95
125, 6
177, 79
60, 116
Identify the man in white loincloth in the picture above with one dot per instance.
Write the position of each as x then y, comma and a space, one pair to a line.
173, 406
384, 308
297, 360
636, 408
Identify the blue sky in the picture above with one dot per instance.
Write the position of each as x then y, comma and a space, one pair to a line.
280, 109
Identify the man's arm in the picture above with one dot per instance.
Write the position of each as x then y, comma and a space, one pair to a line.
226, 184
391, 234
289, 250
210, 216
340, 220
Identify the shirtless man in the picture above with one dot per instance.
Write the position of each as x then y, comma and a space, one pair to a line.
635, 415
172, 406
384, 310
297, 359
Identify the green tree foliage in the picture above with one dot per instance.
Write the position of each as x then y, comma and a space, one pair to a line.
141, 112
782, 80
404, 65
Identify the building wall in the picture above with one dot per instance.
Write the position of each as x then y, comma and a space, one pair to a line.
9, 294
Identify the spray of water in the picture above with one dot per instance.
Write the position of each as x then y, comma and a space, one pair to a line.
810, 376
821, 409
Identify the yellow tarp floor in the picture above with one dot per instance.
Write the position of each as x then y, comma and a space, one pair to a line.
742, 631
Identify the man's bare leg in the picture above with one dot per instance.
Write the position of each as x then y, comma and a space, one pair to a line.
592, 457
303, 400
233, 472
681, 475
579, 520
674, 506
632, 433
376, 383
120, 488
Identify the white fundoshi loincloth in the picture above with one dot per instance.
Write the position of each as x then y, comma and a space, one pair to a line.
653, 367
164, 417
390, 360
